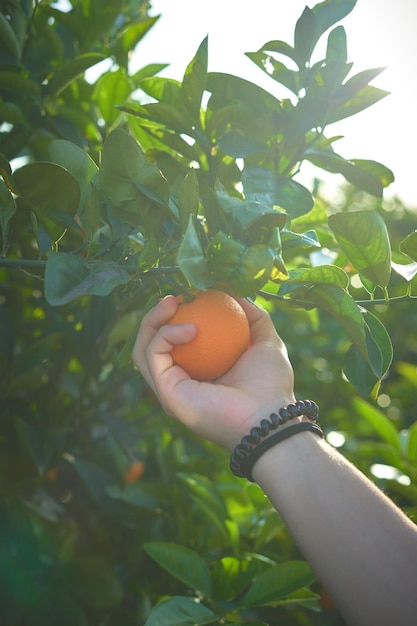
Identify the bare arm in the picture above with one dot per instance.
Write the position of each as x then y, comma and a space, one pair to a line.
362, 547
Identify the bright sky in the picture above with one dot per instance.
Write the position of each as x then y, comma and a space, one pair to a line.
380, 33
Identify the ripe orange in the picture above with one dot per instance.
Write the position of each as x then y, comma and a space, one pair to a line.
222, 334
135, 472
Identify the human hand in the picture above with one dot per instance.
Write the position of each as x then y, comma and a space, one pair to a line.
225, 410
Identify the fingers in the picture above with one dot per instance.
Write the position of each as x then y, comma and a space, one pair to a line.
262, 328
154, 343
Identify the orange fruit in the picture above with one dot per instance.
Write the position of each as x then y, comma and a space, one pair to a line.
222, 334
135, 472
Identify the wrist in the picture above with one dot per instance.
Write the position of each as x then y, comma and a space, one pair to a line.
295, 418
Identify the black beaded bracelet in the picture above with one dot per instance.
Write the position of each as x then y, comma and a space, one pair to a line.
248, 451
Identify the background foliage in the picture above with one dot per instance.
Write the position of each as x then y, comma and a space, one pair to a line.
123, 187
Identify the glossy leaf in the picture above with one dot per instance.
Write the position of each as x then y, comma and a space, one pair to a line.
165, 90
130, 37
180, 611
159, 113
278, 582
195, 80
363, 99
249, 219
381, 424
329, 12
188, 198
245, 269
134, 187
7, 210
69, 276
338, 303
71, 70
181, 562
336, 46
276, 70
191, 258
276, 190
47, 187
367, 175
8, 41
304, 37
409, 245
366, 374
76, 161
412, 444
19, 84
112, 89
322, 274
357, 82
363, 237
280, 47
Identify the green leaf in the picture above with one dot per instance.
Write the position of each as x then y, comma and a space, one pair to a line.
71, 70
191, 258
322, 274
276, 190
342, 307
364, 239
7, 210
367, 175
51, 192
47, 188
249, 220
363, 99
165, 90
280, 47
112, 89
11, 113
379, 422
130, 37
237, 145
412, 444
234, 266
329, 12
9, 43
382, 340
207, 501
181, 562
158, 114
336, 46
77, 161
68, 276
304, 37
188, 198
135, 188
147, 71
366, 374
195, 81
409, 245
179, 611
276, 70
278, 582
20, 84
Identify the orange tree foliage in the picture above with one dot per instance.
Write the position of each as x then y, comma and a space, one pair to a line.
117, 191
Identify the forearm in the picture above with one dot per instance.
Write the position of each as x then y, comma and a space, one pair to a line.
361, 546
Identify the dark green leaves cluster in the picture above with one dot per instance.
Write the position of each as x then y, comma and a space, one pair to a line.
196, 184
118, 189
